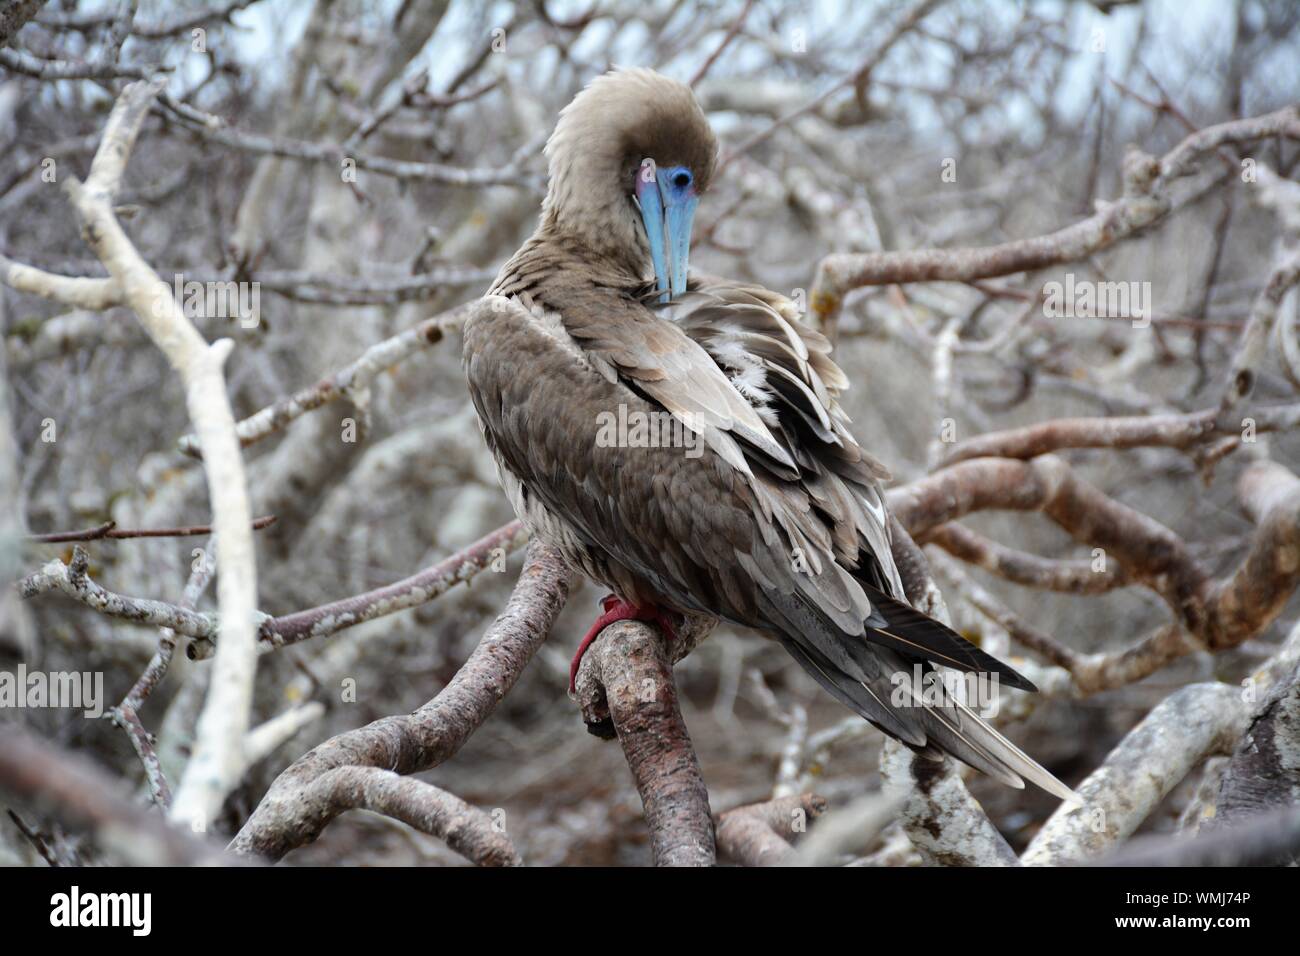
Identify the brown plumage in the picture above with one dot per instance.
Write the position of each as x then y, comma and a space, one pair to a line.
774, 517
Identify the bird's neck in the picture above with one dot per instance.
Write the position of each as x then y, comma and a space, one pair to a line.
599, 223
599, 251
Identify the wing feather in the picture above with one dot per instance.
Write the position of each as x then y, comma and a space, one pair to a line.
779, 525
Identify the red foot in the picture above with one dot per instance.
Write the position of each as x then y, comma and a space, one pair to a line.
617, 609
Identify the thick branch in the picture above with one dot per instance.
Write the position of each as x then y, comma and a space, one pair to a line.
941, 818
1209, 614
294, 812
626, 679
1155, 756
1271, 839
218, 763
465, 828
760, 834
1264, 772
79, 292
1021, 567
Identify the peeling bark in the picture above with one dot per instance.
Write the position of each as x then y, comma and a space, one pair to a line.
626, 681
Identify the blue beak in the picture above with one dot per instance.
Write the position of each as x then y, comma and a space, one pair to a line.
668, 199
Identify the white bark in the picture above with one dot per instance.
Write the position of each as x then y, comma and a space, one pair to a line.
219, 759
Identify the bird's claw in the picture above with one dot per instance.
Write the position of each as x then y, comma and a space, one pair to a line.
616, 609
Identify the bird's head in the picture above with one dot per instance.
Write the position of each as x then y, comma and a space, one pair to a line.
628, 161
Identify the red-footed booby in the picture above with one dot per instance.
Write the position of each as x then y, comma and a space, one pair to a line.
766, 512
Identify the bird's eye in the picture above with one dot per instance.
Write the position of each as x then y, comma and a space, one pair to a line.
682, 178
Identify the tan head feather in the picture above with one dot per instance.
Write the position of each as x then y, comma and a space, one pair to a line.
620, 119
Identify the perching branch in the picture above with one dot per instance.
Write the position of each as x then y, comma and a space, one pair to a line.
625, 686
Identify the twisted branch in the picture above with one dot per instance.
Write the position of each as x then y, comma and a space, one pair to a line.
299, 806
625, 686
1145, 202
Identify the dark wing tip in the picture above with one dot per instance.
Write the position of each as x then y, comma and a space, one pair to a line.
1014, 678
906, 629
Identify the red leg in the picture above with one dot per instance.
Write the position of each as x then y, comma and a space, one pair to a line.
616, 609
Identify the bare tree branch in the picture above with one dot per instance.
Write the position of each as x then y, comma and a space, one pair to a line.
760, 834
217, 764
294, 811
466, 829
110, 531
1209, 614
349, 379
275, 632
1183, 432
84, 796
625, 682
15, 15
1143, 204
418, 589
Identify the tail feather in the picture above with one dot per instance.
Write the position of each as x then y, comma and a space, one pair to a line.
947, 733
861, 675
953, 728
1019, 763
895, 624
871, 705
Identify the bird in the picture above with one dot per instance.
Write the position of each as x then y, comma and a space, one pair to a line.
760, 507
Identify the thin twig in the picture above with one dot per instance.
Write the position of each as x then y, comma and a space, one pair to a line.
110, 530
